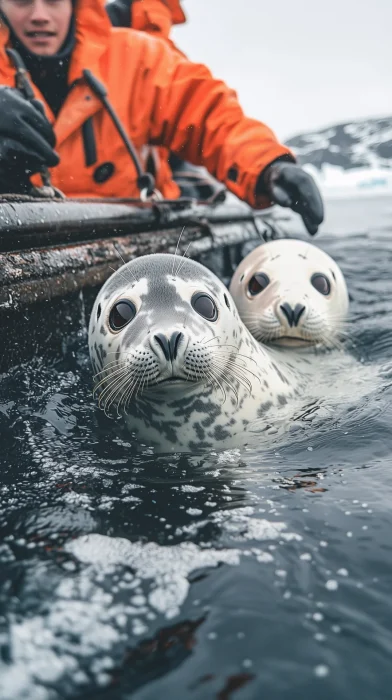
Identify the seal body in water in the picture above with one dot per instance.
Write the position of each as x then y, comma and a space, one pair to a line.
290, 293
172, 356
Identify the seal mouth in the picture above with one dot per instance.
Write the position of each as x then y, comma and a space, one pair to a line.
293, 341
172, 380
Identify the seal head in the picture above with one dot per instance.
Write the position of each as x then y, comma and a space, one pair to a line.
172, 356
290, 293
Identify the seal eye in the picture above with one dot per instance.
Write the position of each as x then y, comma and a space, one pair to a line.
321, 283
258, 283
122, 313
205, 306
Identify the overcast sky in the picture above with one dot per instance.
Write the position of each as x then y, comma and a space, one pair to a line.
296, 64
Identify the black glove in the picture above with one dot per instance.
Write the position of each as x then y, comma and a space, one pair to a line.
288, 185
26, 141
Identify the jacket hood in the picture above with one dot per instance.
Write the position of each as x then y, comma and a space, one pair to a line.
92, 32
176, 11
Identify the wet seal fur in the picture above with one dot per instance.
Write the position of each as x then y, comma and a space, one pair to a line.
290, 311
179, 380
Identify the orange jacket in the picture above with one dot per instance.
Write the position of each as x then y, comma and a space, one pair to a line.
156, 16
161, 99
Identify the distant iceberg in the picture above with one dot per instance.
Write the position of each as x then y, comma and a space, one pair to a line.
334, 181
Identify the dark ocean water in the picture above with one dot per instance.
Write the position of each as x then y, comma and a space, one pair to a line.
239, 575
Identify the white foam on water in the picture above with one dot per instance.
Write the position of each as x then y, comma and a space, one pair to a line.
85, 627
168, 567
240, 526
84, 622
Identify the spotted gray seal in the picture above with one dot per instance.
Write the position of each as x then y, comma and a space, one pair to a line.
172, 356
290, 293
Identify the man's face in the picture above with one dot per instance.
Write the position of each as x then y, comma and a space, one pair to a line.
41, 25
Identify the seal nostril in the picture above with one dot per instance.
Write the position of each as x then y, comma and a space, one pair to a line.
297, 313
288, 312
164, 344
169, 346
175, 340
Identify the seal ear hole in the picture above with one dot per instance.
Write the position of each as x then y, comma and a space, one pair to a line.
205, 306
321, 283
242, 277
99, 311
333, 275
257, 283
226, 301
122, 313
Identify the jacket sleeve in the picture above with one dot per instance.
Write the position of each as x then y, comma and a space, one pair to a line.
201, 120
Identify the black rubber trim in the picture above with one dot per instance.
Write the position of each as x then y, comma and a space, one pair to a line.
90, 149
120, 13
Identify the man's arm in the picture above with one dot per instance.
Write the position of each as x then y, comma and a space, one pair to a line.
201, 120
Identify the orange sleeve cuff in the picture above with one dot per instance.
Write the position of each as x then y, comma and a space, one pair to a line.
246, 180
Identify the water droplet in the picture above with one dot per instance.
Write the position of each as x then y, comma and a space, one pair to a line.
332, 585
306, 556
321, 671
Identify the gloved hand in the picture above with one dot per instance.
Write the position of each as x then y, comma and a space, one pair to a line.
26, 141
290, 186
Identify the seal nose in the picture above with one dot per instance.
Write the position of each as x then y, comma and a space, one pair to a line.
169, 346
292, 315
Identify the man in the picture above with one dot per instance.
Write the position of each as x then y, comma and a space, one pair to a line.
161, 97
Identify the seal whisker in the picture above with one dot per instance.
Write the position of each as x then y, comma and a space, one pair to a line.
225, 379
111, 399
232, 363
245, 357
114, 376
235, 374
128, 391
129, 394
238, 354
214, 337
128, 384
124, 352
119, 270
229, 358
110, 367
183, 259
110, 391
175, 252
216, 381
124, 263
140, 382
123, 273
333, 342
105, 369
